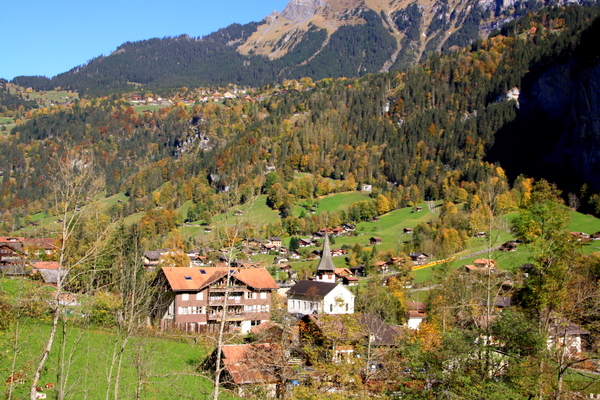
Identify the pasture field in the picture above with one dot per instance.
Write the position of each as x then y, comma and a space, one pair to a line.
389, 227
255, 212
149, 107
54, 96
159, 367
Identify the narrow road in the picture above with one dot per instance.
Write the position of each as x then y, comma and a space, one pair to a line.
431, 206
480, 252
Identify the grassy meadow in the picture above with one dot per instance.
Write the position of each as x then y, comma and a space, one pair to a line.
389, 228
149, 107
163, 368
160, 366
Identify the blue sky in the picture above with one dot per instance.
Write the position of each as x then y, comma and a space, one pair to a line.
45, 37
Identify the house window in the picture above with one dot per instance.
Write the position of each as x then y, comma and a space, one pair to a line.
200, 296
346, 307
263, 295
185, 296
331, 308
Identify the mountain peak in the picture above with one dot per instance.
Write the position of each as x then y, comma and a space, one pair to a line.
297, 10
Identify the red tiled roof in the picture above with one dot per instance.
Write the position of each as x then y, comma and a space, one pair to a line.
46, 265
415, 314
11, 239
244, 362
194, 278
44, 243
264, 326
416, 305
342, 271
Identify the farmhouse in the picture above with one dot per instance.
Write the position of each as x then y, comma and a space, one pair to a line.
305, 242
483, 265
251, 367
419, 258
196, 299
375, 240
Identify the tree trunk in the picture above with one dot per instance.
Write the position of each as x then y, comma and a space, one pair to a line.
47, 349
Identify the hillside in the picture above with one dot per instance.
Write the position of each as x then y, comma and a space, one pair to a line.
425, 133
309, 38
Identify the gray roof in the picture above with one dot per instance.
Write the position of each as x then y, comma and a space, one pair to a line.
315, 289
326, 263
52, 275
153, 255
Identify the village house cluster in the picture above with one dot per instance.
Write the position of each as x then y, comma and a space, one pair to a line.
215, 289
20, 256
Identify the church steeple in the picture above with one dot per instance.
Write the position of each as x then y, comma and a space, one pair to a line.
326, 268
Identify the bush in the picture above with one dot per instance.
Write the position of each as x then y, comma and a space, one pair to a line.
104, 309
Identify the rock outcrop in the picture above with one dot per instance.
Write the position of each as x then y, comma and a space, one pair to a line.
298, 10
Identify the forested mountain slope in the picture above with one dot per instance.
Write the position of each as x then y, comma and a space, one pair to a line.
317, 39
423, 133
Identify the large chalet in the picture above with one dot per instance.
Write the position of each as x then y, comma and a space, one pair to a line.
195, 298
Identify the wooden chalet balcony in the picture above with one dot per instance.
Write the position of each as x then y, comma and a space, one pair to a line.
230, 316
218, 301
217, 289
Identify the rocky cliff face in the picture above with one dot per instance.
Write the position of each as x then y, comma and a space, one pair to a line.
297, 10
556, 135
418, 27
569, 96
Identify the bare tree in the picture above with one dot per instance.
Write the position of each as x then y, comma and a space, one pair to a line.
75, 184
229, 237
133, 283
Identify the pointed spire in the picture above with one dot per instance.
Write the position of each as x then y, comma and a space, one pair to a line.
326, 263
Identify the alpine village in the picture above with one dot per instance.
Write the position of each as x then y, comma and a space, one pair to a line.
349, 199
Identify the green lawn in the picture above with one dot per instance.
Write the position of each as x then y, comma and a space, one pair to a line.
390, 228
584, 223
339, 201
54, 96
17, 286
166, 366
143, 107
110, 201
255, 212
183, 210
50, 223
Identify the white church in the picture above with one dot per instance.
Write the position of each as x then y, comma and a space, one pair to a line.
322, 295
